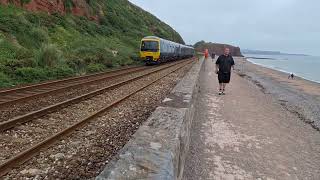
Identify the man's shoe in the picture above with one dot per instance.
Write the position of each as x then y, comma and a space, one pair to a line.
223, 93
220, 93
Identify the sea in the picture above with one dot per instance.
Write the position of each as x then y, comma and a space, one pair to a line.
307, 67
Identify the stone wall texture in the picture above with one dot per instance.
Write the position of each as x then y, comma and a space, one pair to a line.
158, 149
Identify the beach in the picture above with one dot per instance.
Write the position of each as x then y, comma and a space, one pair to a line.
304, 66
298, 95
261, 128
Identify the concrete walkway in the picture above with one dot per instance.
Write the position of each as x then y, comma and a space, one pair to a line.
247, 135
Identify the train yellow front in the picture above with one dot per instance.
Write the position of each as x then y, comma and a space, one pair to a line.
155, 50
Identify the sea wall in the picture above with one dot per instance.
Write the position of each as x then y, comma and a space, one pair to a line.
158, 149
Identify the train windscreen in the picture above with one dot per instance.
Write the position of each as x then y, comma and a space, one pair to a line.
152, 46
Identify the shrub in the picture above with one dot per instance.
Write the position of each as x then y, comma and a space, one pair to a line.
60, 72
135, 57
75, 63
5, 80
22, 53
39, 36
109, 63
95, 68
91, 51
9, 66
49, 56
37, 74
7, 49
29, 74
108, 59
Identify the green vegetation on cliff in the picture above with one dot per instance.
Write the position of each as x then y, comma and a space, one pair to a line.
35, 46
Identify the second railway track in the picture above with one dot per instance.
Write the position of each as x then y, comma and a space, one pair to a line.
72, 122
31, 103
5, 125
22, 94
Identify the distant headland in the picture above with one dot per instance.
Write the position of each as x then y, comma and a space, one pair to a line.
217, 48
250, 51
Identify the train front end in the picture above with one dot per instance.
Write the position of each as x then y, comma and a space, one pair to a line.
150, 50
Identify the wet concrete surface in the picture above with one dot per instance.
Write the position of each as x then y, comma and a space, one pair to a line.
248, 134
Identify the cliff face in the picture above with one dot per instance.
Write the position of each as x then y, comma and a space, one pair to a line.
39, 5
77, 7
40, 46
116, 13
217, 48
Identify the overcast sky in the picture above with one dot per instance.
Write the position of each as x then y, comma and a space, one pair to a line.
291, 26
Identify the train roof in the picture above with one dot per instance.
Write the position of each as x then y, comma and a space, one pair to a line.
157, 38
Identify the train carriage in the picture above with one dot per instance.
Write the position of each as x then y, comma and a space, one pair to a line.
155, 50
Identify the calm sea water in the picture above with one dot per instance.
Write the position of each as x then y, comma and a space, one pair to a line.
307, 67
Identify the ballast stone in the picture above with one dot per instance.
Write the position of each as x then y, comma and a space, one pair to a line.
158, 149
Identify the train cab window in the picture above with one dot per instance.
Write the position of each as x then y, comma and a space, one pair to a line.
152, 46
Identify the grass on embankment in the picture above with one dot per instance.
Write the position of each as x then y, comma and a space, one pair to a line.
36, 47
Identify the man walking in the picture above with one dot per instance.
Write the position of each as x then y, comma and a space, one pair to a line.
213, 55
223, 68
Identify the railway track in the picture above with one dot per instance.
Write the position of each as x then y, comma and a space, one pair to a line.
52, 108
24, 155
22, 94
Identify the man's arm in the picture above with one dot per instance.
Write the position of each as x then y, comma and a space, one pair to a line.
232, 63
217, 65
217, 68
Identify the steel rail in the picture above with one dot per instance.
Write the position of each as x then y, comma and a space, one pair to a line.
49, 109
61, 80
82, 82
24, 156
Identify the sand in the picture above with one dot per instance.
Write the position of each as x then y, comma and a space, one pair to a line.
297, 95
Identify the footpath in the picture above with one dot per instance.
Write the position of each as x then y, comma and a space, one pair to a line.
245, 134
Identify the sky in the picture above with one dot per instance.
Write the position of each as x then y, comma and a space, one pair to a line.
291, 26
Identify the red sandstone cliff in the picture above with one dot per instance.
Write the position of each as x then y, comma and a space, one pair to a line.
217, 48
80, 7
